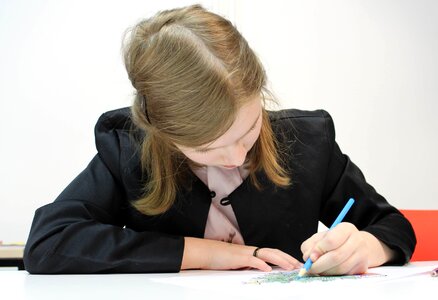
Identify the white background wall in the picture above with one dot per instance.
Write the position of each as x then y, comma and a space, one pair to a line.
372, 64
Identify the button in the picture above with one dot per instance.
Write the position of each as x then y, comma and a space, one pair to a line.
212, 194
225, 201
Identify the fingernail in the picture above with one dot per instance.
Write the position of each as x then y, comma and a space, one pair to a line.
313, 257
306, 255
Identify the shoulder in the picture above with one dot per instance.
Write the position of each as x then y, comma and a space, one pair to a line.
306, 143
110, 127
117, 138
302, 123
115, 119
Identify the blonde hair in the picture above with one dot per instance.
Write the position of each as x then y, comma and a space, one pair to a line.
192, 71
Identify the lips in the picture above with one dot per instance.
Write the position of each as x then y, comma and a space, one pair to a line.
229, 166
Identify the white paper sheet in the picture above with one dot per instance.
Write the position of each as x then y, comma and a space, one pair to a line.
243, 283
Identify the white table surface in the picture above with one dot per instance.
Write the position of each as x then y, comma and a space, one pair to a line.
226, 285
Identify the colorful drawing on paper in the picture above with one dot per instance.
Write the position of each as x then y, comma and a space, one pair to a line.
292, 276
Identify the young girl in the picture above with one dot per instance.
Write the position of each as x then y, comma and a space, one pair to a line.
198, 175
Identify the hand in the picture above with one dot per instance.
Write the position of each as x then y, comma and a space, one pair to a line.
345, 250
217, 255
341, 250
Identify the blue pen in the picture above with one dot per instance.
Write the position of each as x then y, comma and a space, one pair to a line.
338, 220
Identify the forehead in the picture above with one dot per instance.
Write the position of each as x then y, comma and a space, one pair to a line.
247, 115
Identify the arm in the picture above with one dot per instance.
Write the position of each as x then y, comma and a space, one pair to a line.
82, 232
217, 255
374, 232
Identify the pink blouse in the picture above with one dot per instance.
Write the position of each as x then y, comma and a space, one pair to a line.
221, 221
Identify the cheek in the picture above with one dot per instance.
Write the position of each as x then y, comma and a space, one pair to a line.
252, 137
202, 158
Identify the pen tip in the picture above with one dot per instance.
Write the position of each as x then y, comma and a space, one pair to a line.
302, 272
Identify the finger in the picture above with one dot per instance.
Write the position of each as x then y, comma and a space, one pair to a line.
312, 240
279, 258
275, 257
359, 268
355, 264
289, 259
292, 261
333, 239
309, 244
259, 264
338, 260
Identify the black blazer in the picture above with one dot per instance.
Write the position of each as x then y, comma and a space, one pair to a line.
92, 228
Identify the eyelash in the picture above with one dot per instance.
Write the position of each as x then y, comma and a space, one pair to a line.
202, 150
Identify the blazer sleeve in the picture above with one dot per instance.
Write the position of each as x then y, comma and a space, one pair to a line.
83, 231
371, 212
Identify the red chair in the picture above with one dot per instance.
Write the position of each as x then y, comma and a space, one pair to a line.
425, 223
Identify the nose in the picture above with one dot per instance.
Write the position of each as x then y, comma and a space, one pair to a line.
235, 155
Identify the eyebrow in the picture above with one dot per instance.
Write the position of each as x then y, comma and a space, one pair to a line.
252, 126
